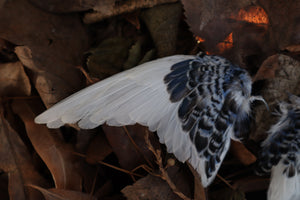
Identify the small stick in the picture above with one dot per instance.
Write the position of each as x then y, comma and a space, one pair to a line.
136, 146
111, 166
164, 173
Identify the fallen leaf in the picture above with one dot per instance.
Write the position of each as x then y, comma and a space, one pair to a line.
56, 154
267, 69
242, 153
228, 194
252, 184
208, 19
108, 58
52, 45
162, 22
285, 26
199, 191
128, 156
65, 6
285, 73
152, 187
98, 149
108, 8
13, 79
61, 194
17, 162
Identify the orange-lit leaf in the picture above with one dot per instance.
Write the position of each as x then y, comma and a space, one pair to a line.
252, 14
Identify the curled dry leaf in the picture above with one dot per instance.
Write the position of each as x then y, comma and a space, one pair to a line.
162, 22
56, 154
13, 79
242, 153
17, 162
152, 187
52, 46
61, 194
108, 8
283, 77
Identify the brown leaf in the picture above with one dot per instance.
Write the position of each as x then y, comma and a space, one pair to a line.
252, 184
52, 46
152, 187
207, 18
98, 149
60, 194
267, 69
65, 6
17, 162
56, 154
162, 22
108, 58
129, 157
14, 81
108, 8
199, 191
286, 79
242, 153
285, 26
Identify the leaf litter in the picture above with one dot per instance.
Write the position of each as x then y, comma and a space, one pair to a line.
49, 49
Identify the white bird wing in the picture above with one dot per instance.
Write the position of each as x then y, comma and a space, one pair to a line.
191, 102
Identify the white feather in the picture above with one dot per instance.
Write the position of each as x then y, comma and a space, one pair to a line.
138, 95
281, 187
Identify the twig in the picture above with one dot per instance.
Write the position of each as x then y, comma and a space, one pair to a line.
164, 173
111, 166
136, 146
226, 182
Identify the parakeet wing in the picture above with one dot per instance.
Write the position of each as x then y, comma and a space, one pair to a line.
192, 102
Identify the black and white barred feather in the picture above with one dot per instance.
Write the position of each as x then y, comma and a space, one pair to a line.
195, 103
281, 153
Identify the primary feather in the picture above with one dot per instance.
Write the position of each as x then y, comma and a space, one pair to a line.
195, 103
281, 153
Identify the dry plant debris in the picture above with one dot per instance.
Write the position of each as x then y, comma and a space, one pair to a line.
51, 49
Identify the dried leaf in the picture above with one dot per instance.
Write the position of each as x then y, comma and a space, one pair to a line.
17, 162
57, 155
162, 22
129, 157
285, 26
267, 69
14, 81
286, 79
98, 149
242, 153
60, 194
151, 187
108, 58
199, 191
109, 8
65, 6
252, 184
208, 19
53, 46
228, 194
